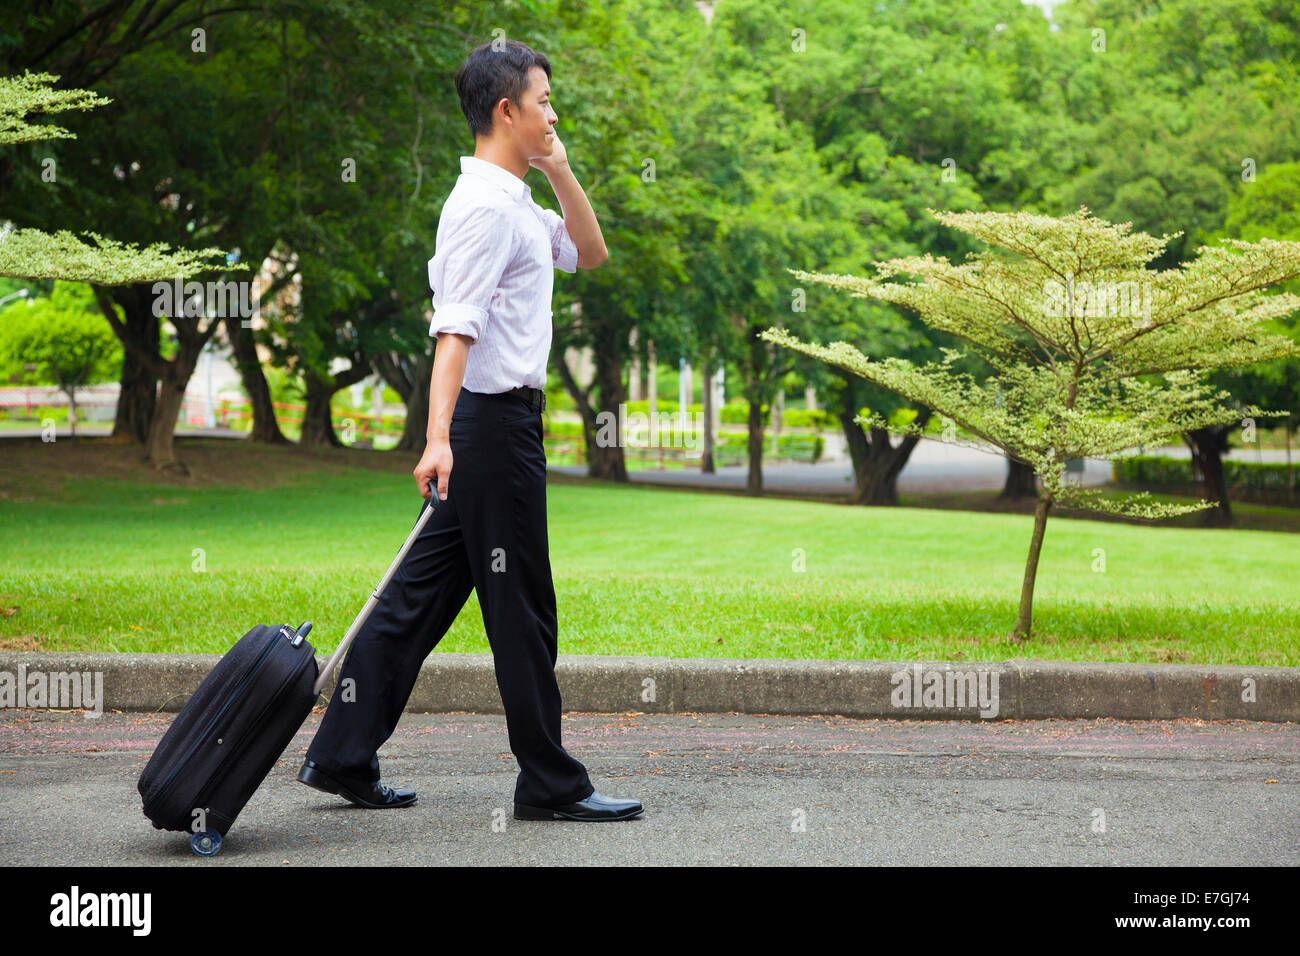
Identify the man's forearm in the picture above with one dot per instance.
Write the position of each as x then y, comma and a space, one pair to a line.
579, 217
444, 386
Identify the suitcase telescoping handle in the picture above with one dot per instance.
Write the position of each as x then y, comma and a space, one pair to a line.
337, 656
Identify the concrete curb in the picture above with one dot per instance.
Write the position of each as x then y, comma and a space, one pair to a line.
941, 690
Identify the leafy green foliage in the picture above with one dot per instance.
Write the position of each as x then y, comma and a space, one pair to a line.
63, 338
1075, 329
29, 253
34, 93
1164, 470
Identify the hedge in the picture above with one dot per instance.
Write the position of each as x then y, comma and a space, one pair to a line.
18, 413
1164, 470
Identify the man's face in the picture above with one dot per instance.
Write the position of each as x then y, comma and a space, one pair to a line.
535, 117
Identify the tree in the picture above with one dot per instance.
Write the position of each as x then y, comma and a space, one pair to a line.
910, 105
1194, 95
142, 203
1092, 354
614, 65
357, 231
32, 254
766, 196
1266, 206
65, 339
86, 46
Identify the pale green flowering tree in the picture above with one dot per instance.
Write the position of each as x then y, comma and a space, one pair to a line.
1092, 353
32, 254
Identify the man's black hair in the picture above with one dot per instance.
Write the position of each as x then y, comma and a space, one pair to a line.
487, 75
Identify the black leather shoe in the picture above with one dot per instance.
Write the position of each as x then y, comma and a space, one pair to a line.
594, 808
372, 796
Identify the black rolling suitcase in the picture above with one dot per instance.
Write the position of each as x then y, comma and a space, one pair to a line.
234, 728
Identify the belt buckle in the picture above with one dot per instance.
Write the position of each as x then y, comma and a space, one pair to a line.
535, 397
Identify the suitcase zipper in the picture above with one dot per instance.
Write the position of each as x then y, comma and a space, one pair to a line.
237, 751
243, 685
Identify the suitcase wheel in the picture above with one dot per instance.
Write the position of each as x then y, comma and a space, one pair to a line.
206, 843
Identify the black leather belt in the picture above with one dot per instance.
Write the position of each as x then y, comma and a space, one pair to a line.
534, 396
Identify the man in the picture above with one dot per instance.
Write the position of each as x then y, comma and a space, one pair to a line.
491, 276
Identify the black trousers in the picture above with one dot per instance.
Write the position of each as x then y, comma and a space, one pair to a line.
488, 535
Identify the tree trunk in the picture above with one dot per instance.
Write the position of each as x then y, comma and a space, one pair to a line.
265, 427
71, 392
608, 461
635, 391
1021, 482
162, 431
410, 379
140, 337
177, 372
136, 399
706, 454
1024, 619
1207, 446
415, 430
582, 399
876, 462
317, 424
754, 480
762, 374
138, 392
161, 446
599, 400
651, 377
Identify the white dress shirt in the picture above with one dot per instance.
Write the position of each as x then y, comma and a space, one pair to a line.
492, 275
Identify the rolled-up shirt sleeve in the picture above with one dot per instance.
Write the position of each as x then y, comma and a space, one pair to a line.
564, 252
466, 270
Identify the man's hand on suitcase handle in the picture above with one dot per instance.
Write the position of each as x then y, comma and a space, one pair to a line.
449, 360
434, 467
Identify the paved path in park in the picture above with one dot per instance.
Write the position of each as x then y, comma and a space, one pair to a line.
719, 789
933, 466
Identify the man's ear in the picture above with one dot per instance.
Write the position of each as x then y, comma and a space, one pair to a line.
499, 109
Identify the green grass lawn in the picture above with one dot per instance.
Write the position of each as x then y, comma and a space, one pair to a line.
98, 555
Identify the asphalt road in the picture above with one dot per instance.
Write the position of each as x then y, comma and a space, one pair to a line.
718, 789
933, 466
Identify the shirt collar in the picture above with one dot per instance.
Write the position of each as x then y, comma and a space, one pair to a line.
515, 187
